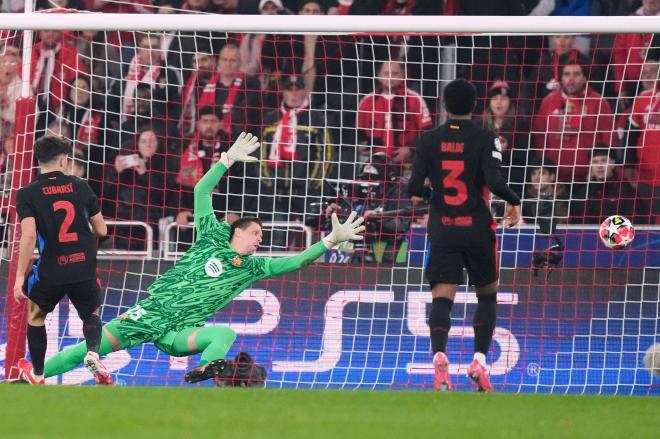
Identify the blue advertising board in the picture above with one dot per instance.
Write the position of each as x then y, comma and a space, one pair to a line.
333, 326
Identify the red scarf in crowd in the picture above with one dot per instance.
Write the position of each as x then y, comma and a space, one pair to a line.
45, 69
207, 99
188, 107
89, 128
137, 74
285, 139
191, 167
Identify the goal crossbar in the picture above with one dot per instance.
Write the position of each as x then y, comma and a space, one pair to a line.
292, 24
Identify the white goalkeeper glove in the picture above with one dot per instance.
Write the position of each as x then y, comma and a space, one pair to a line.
240, 151
348, 231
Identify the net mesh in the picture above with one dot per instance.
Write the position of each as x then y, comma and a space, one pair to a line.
338, 117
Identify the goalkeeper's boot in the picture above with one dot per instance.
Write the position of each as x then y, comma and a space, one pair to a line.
206, 371
478, 374
441, 381
26, 373
97, 369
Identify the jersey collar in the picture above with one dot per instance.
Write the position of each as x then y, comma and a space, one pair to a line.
49, 175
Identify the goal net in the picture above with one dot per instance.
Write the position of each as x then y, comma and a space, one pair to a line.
338, 115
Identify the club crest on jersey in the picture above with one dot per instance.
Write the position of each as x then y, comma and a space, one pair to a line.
237, 261
213, 267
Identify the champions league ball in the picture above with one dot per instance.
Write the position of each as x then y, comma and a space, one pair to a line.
616, 232
652, 360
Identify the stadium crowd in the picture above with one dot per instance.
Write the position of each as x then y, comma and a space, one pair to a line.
578, 117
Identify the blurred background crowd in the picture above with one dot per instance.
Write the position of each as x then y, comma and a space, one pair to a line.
578, 116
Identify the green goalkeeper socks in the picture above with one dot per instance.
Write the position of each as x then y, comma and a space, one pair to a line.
71, 357
213, 341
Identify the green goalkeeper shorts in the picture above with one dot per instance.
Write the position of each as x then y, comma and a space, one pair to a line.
130, 334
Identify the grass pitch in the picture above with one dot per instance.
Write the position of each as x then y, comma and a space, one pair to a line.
158, 412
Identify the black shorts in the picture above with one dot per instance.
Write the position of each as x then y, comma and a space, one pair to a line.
85, 296
479, 257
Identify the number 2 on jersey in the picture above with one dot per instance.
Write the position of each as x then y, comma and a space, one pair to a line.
65, 235
455, 168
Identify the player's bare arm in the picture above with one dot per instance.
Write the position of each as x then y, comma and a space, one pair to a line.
98, 225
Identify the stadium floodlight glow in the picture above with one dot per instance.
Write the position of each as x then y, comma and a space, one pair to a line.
292, 24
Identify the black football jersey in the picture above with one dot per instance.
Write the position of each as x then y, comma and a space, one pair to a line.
462, 161
61, 206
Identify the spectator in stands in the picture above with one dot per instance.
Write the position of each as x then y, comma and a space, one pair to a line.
605, 193
309, 65
119, 39
79, 112
387, 210
147, 67
87, 128
204, 67
328, 65
513, 131
6, 149
59, 127
235, 94
141, 173
181, 46
572, 8
252, 44
545, 201
641, 142
102, 60
10, 91
649, 75
48, 4
297, 155
12, 6
201, 153
385, 7
244, 7
55, 65
146, 113
629, 53
271, 55
544, 76
392, 116
570, 121
79, 165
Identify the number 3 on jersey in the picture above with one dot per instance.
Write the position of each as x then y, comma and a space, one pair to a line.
70, 214
451, 181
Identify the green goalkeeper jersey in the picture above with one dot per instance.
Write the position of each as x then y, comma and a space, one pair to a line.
208, 276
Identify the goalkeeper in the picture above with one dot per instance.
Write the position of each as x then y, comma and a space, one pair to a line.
217, 268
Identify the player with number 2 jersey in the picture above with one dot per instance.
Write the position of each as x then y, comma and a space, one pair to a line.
60, 214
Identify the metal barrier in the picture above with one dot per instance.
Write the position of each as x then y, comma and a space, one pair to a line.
114, 254
146, 254
169, 251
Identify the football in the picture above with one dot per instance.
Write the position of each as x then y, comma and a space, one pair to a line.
616, 232
652, 360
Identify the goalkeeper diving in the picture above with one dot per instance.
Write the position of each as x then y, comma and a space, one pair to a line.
217, 268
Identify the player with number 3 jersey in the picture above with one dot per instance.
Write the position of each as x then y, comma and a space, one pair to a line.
462, 162
56, 212
216, 269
